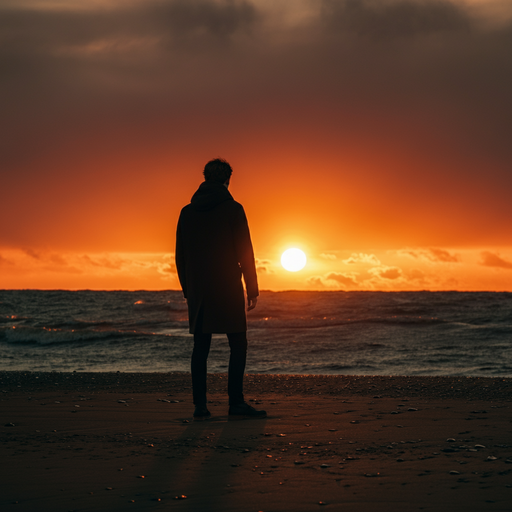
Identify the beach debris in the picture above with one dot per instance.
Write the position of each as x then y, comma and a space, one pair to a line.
451, 440
141, 476
479, 446
399, 460
121, 401
492, 457
355, 421
180, 497
325, 466
281, 435
453, 472
185, 421
371, 475
508, 461
322, 503
108, 488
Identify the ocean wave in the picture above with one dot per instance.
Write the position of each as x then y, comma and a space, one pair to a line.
315, 323
46, 336
9, 319
171, 305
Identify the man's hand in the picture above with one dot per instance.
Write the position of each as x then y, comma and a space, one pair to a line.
251, 303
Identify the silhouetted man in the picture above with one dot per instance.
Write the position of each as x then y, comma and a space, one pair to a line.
213, 252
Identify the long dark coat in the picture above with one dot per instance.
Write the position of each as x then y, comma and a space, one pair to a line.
213, 252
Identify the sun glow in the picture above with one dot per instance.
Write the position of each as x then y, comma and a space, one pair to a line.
293, 260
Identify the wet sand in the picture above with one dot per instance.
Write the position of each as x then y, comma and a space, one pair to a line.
116, 442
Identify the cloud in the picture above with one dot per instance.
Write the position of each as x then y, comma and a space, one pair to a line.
112, 262
362, 258
442, 256
167, 268
490, 259
218, 18
91, 269
384, 19
334, 280
264, 266
386, 272
32, 253
345, 279
5, 261
432, 254
315, 281
328, 256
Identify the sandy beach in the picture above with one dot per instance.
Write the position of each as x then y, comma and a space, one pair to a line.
117, 441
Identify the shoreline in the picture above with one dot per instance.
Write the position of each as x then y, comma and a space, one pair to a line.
117, 442
469, 388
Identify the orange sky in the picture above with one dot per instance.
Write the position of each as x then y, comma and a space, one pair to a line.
373, 135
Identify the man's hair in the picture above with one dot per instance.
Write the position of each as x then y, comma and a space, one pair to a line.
217, 170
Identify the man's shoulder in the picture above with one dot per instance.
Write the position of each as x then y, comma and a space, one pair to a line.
236, 205
230, 205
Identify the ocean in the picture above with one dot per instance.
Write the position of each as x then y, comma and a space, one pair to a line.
293, 332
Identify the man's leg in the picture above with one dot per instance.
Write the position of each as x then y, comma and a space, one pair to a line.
237, 358
202, 342
237, 406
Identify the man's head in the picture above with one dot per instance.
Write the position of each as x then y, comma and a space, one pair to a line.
217, 170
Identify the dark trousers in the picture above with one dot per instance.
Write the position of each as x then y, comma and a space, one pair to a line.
237, 358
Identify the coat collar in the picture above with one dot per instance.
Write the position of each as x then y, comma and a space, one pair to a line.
209, 195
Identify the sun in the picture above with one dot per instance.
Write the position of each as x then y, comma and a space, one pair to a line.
293, 260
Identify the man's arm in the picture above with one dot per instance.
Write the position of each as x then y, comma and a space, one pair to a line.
180, 258
245, 255
251, 303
